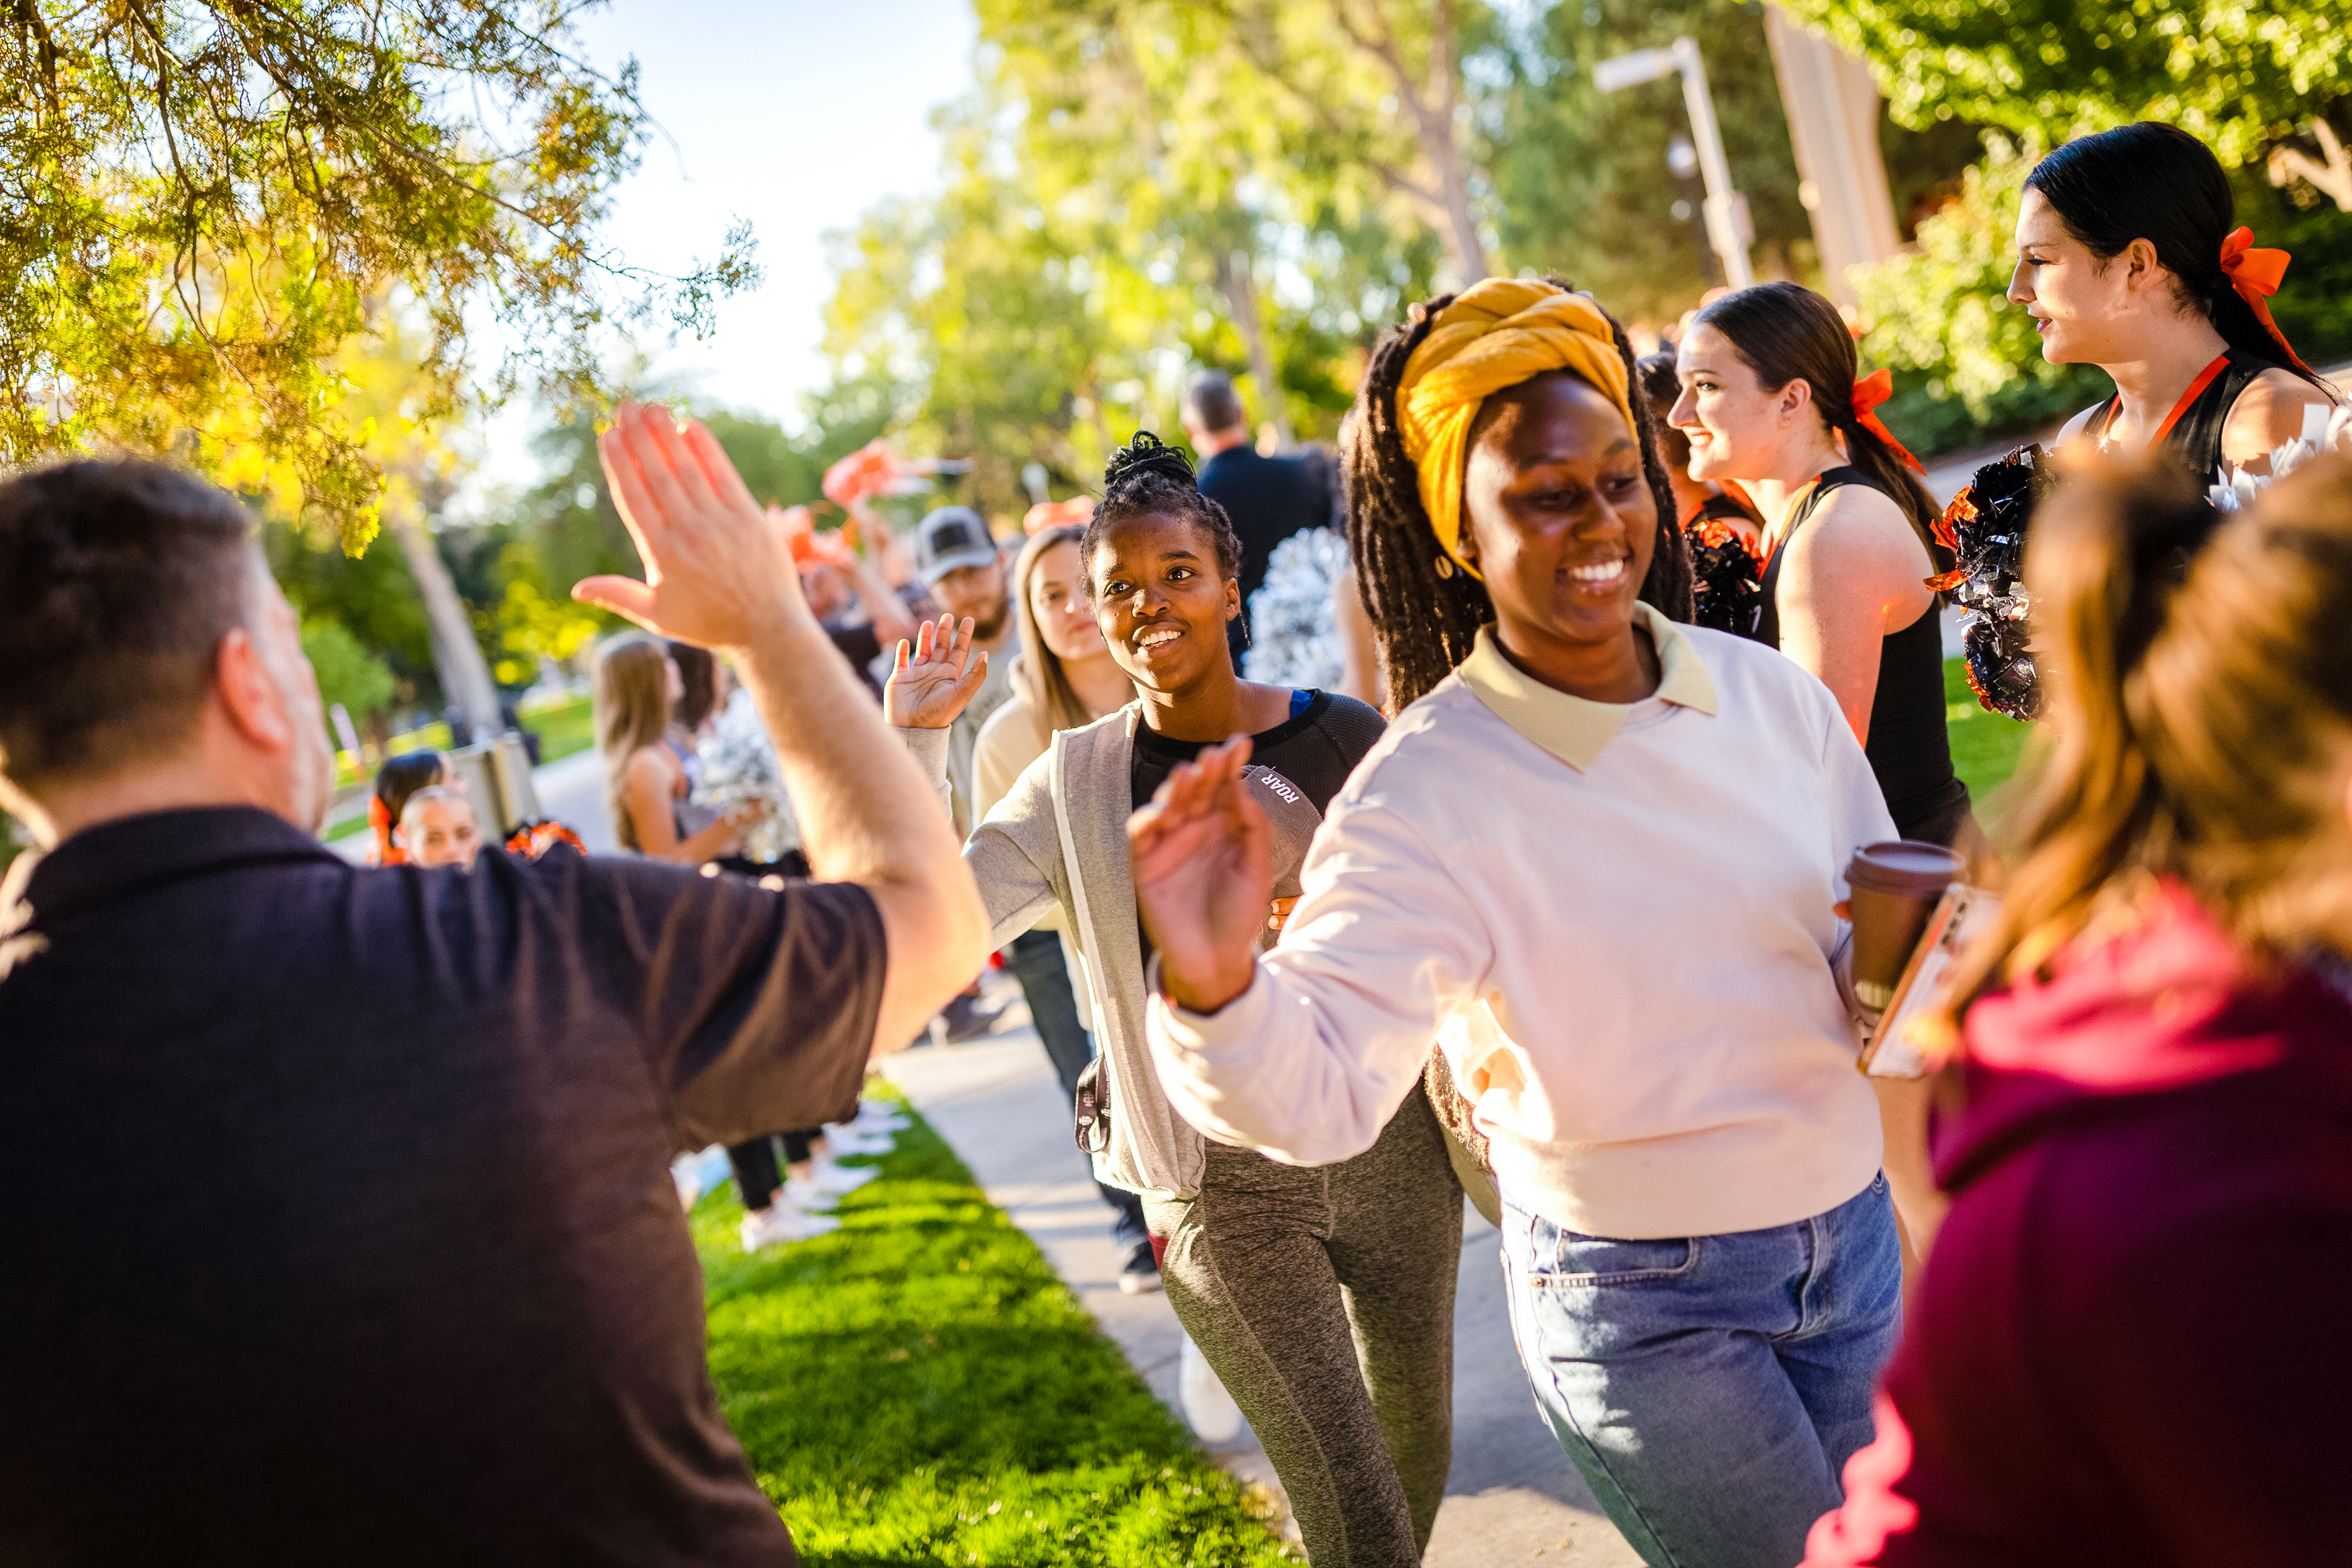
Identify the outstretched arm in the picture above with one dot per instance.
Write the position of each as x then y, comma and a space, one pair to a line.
719, 573
1306, 1053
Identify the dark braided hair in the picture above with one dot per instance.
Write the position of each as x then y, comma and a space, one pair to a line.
1149, 478
1427, 624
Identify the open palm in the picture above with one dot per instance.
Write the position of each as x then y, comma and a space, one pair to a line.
931, 682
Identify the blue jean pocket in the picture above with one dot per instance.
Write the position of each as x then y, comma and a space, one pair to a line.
1580, 1261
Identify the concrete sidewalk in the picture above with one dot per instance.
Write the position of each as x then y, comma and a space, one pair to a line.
1513, 1496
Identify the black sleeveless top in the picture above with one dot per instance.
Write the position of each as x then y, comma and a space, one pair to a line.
1909, 748
2196, 437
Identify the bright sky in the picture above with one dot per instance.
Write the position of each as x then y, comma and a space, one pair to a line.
797, 115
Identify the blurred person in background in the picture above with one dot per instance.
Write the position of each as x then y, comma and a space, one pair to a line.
1065, 678
863, 615
1268, 498
690, 720
395, 781
438, 826
418, 1290
2128, 1345
638, 686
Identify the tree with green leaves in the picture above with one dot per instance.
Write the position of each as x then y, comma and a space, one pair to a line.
350, 676
1581, 178
1363, 103
1146, 136
207, 201
2241, 77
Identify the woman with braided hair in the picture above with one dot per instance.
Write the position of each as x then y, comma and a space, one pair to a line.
1771, 397
1598, 857
1323, 1299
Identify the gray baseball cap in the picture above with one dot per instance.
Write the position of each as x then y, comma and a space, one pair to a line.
950, 538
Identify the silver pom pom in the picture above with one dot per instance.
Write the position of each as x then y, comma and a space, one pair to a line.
738, 766
1294, 621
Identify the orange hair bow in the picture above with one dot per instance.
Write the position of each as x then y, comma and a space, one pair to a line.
1870, 392
387, 853
2255, 275
1048, 514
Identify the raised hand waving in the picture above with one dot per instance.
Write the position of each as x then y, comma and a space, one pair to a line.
930, 684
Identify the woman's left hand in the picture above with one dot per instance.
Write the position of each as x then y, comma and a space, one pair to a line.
1278, 912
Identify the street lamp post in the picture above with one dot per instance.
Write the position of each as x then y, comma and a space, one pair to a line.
1729, 232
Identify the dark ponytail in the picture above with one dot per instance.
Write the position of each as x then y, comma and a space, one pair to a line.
2159, 184
1786, 334
1427, 624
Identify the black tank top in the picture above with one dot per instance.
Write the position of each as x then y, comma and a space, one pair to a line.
2196, 437
1909, 749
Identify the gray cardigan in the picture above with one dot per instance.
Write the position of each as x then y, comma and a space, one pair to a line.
1059, 838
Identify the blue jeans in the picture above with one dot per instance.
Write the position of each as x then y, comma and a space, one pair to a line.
1710, 1388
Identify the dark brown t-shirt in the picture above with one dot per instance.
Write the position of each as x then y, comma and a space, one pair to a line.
338, 1227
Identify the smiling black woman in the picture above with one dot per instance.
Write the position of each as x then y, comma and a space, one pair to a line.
1278, 1273
1598, 859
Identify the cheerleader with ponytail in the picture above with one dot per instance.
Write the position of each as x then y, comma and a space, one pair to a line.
1771, 397
2130, 257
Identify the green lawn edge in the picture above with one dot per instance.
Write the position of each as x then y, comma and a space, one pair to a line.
920, 1388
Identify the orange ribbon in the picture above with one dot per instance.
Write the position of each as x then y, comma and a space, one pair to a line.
2255, 275
387, 853
1870, 392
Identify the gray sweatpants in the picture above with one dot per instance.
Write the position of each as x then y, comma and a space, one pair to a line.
1323, 1298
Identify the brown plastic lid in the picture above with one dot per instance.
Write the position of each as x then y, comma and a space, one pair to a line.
1905, 867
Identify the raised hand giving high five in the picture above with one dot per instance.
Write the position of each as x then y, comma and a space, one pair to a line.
718, 568
1204, 869
719, 572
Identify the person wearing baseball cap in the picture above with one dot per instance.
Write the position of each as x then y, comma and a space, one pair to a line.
957, 559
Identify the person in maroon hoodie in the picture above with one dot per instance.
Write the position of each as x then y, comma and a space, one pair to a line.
2129, 1344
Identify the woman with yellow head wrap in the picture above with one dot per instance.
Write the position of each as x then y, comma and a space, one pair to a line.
1423, 393
1596, 860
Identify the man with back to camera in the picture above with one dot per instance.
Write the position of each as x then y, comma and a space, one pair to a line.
1269, 499
372, 1254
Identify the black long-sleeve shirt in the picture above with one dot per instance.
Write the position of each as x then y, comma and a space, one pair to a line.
338, 1224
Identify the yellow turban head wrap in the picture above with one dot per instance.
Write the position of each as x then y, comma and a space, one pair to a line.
1495, 334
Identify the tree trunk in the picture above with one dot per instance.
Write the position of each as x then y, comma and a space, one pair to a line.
1461, 226
465, 677
1241, 296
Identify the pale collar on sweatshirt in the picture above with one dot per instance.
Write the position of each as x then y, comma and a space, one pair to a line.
1574, 729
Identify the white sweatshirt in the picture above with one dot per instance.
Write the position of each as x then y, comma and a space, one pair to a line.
1618, 923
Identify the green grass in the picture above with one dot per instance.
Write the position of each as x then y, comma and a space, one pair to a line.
919, 1388
562, 728
1985, 745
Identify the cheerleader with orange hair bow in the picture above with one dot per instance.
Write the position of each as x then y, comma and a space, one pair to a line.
2130, 257
399, 778
1772, 397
